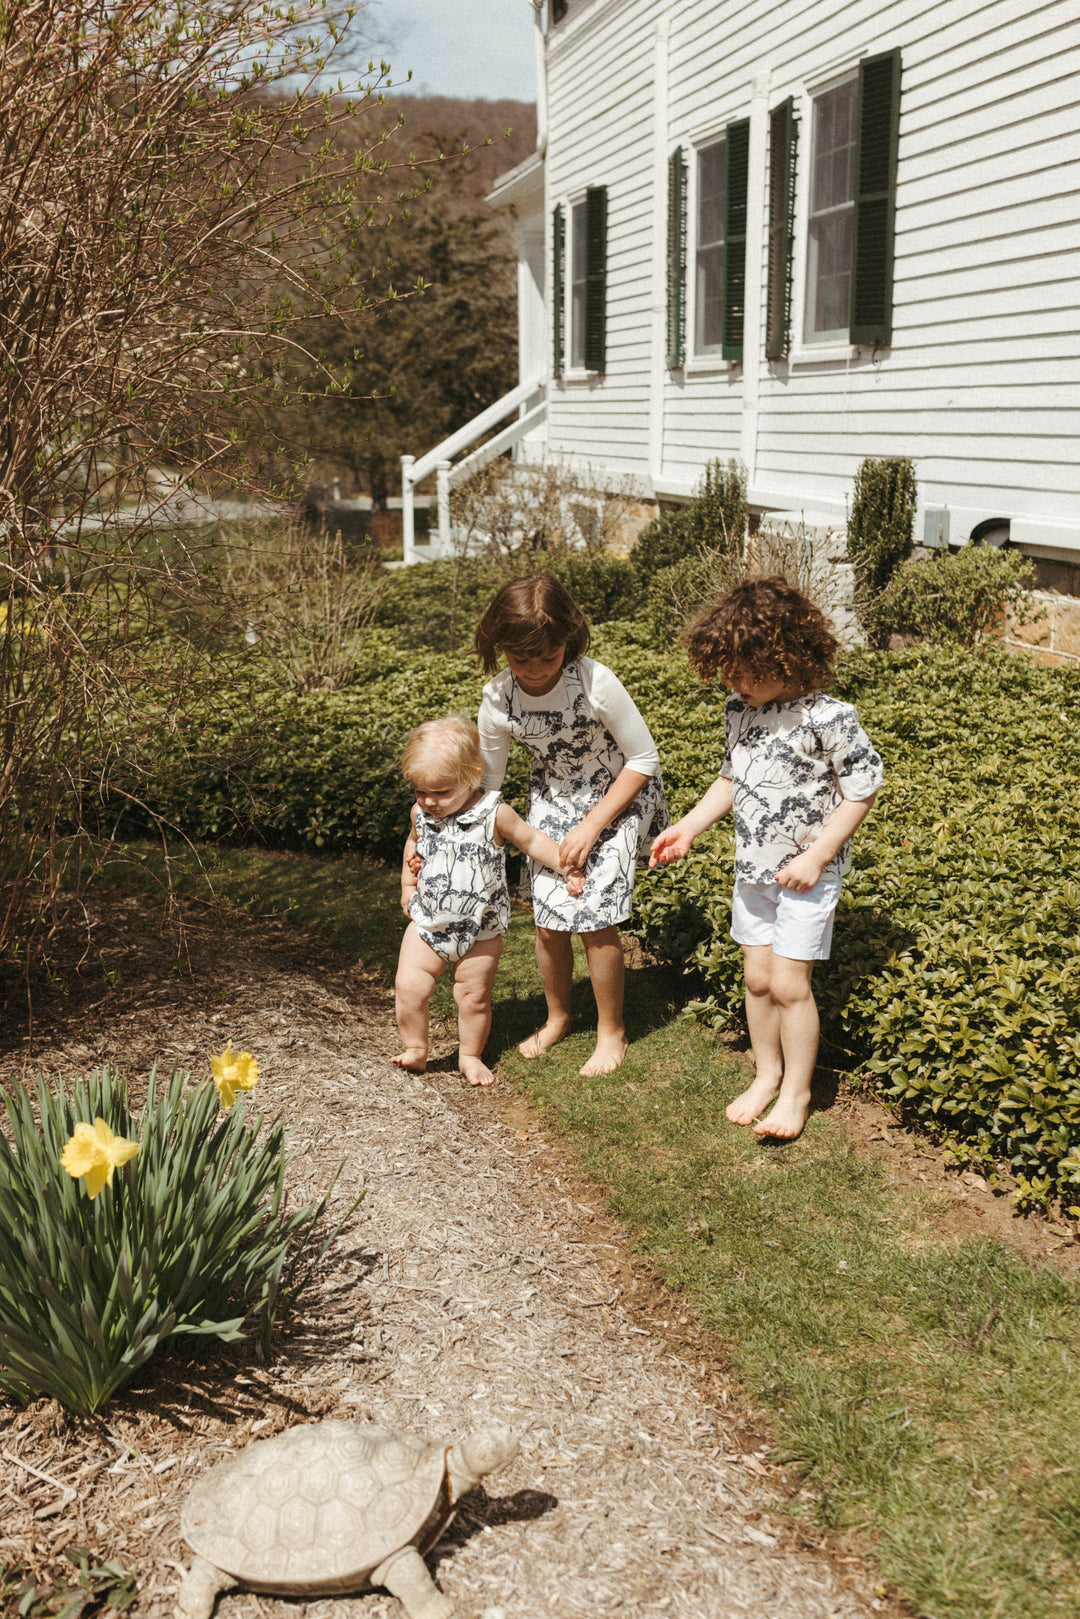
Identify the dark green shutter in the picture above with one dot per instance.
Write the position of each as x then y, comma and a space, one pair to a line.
676, 260
558, 10
783, 134
596, 278
737, 137
875, 199
558, 293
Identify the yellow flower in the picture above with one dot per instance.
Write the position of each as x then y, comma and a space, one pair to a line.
233, 1071
93, 1153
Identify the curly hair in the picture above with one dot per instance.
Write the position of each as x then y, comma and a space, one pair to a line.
766, 629
531, 617
444, 750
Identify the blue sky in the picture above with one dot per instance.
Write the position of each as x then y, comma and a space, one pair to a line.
456, 47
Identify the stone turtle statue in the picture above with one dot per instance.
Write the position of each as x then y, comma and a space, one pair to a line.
329, 1508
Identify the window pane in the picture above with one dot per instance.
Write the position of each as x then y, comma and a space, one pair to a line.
709, 300
577, 286
709, 256
830, 275
832, 213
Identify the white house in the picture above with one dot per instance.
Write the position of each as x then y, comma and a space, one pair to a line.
801, 233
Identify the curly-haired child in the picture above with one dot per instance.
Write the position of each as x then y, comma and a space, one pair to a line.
800, 775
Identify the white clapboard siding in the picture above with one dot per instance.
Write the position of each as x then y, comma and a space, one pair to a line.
982, 382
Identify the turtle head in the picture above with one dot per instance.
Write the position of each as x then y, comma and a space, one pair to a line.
488, 1450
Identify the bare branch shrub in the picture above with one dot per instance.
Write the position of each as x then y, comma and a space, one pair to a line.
306, 600
170, 216
509, 507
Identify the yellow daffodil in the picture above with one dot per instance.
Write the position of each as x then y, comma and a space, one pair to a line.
233, 1071
93, 1153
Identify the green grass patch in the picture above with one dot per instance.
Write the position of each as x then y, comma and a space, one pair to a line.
926, 1388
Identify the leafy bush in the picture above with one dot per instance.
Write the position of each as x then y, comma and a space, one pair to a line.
714, 520
192, 1236
880, 531
438, 604
955, 974
957, 597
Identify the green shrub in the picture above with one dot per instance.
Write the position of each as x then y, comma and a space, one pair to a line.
955, 971
192, 1236
713, 520
438, 604
957, 597
880, 532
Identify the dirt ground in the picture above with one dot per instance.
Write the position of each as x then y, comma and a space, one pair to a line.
480, 1280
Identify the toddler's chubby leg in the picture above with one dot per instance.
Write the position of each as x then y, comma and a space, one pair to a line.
419, 969
474, 979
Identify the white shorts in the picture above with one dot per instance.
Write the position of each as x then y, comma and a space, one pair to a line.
798, 926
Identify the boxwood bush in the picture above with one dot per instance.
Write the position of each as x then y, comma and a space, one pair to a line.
955, 974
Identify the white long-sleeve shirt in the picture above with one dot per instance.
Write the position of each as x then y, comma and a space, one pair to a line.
607, 697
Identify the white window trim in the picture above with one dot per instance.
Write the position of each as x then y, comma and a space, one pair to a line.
696, 364
804, 351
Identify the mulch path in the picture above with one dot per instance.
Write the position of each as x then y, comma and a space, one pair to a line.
479, 1280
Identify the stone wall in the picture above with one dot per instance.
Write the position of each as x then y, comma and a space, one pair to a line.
1055, 636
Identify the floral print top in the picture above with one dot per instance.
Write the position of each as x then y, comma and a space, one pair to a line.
790, 765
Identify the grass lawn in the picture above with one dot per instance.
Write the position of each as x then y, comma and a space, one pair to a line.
926, 1388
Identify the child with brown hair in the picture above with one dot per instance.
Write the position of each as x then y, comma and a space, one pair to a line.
453, 889
800, 775
594, 787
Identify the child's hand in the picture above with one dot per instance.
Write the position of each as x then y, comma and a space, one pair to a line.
575, 882
414, 863
575, 848
668, 846
803, 873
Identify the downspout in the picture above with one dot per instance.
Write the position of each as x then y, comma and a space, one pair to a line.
658, 382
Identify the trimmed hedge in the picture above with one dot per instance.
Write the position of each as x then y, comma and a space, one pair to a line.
955, 974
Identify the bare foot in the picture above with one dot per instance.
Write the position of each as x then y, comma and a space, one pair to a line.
552, 1032
414, 1058
609, 1053
786, 1119
753, 1101
476, 1072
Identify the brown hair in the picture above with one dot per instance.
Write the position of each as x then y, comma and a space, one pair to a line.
531, 617
769, 630
447, 748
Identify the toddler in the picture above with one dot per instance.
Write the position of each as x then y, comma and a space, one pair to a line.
800, 775
453, 889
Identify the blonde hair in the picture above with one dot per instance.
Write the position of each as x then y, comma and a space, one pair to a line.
447, 748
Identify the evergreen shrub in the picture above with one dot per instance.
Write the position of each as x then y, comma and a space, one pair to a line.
955, 974
956, 597
880, 532
713, 520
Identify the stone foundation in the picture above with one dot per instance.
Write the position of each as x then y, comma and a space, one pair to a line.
1053, 638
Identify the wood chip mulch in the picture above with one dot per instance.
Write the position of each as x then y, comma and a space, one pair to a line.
475, 1283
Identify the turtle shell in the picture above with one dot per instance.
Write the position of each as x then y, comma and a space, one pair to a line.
318, 1507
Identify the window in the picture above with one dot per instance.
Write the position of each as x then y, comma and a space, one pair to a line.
584, 279
719, 247
709, 251
831, 220
557, 10
851, 205
578, 280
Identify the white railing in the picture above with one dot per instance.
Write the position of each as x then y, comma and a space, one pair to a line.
440, 460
